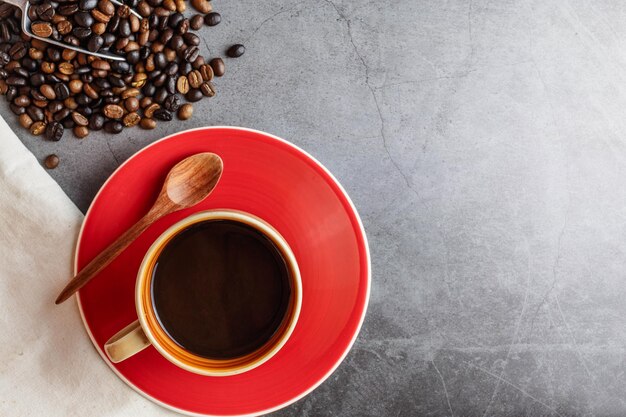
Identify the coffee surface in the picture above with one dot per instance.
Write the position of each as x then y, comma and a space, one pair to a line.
220, 289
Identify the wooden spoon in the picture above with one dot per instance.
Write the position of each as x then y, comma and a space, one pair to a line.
188, 182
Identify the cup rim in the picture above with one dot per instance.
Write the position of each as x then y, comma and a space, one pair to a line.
218, 214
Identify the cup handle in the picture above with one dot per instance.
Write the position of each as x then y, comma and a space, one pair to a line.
125, 343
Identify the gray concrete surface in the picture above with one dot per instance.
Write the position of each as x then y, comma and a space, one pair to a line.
484, 143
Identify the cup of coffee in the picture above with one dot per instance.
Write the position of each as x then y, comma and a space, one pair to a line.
218, 293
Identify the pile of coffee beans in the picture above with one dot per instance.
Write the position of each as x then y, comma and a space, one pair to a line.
52, 89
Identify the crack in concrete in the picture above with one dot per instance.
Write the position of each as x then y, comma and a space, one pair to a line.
281, 11
445, 389
372, 90
117, 161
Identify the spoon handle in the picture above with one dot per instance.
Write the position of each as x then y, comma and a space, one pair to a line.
105, 257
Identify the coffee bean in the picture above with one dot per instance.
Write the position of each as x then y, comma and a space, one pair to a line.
51, 161
84, 19
38, 128
68, 9
218, 66
55, 106
195, 79
35, 113
149, 111
212, 19
81, 132
191, 39
96, 121
207, 72
113, 111
147, 123
64, 27
183, 27
22, 101
106, 7
61, 91
25, 121
62, 114
54, 131
95, 43
79, 119
194, 95
48, 91
131, 119
81, 32
44, 11
160, 95
144, 9
185, 111
66, 68
172, 102
236, 51
163, 114
87, 5
196, 21
203, 6
113, 126
42, 29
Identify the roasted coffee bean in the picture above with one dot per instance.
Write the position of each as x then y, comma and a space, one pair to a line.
131, 119
131, 104
106, 7
54, 131
203, 6
176, 42
144, 9
183, 27
76, 86
48, 91
207, 72
95, 43
37, 79
84, 19
195, 79
21, 72
79, 119
149, 111
17, 110
64, 27
159, 60
170, 85
43, 29
81, 32
68, 9
113, 126
190, 54
148, 123
163, 114
90, 92
55, 106
213, 19
87, 5
51, 161
197, 21
25, 121
35, 113
185, 111
160, 95
172, 103
191, 39
80, 132
4, 58
38, 128
113, 111
44, 11
62, 114
22, 101
218, 66
61, 91
124, 28
96, 121
16, 81
194, 95
66, 68
236, 50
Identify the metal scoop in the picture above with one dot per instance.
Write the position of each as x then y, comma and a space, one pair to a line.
24, 5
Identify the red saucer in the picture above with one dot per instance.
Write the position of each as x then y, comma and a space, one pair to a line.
270, 178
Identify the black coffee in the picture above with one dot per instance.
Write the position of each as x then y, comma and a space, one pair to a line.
220, 289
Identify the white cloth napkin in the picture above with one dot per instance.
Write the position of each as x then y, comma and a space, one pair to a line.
48, 366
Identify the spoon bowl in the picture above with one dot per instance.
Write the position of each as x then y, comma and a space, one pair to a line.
24, 5
188, 182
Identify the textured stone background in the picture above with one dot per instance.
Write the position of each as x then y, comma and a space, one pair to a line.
484, 145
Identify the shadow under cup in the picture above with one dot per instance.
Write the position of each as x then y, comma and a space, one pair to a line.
225, 325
